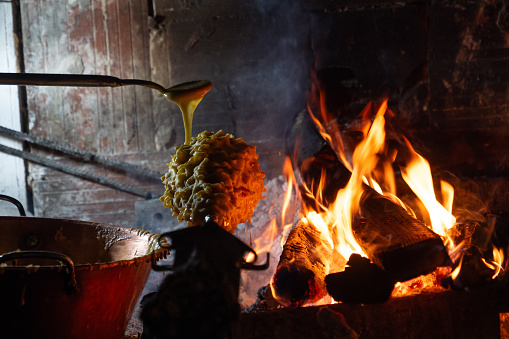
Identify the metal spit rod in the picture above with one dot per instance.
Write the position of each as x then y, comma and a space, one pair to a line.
78, 172
77, 153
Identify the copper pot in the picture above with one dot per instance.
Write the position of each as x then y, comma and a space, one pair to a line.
70, 279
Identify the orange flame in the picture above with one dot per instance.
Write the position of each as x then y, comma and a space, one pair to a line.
496, 263
264, 243
417, 174
347, 200
291, 182
371, 164
335, 222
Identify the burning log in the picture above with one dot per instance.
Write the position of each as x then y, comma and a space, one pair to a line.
303, 265
393, 239
476, 264
362, 282
396, 241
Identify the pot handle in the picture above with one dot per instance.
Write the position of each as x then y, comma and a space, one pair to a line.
71, 285
252, 266
15, 202
164, 244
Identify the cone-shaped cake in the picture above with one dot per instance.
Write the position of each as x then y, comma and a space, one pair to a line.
214, 175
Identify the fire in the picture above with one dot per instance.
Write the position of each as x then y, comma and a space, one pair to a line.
289, 174
335, 222
264, 243
417, 174
372, 167
496, 263
313, 219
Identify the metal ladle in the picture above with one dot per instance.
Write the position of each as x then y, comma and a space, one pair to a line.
186, 95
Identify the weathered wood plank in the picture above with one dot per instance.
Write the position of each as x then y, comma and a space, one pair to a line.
63, 196
57, 194
121, 96
90, 37
40, 99
125, 57
62, 183
12, 170
138, 16
108, 132
167, 121
80, 104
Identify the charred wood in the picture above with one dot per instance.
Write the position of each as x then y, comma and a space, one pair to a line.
474, 260
362, 282
390, 236
304, 263
473, 272
396, 241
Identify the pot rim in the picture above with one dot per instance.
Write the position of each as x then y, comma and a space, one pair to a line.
158, 252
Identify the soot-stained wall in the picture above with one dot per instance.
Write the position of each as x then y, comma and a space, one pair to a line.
257, 54
442, 64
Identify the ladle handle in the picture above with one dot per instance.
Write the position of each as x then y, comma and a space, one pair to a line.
81, 80
71, 286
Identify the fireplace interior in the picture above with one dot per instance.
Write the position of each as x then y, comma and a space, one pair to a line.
441, 66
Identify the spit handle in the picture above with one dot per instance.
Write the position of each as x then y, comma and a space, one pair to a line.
71, 285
